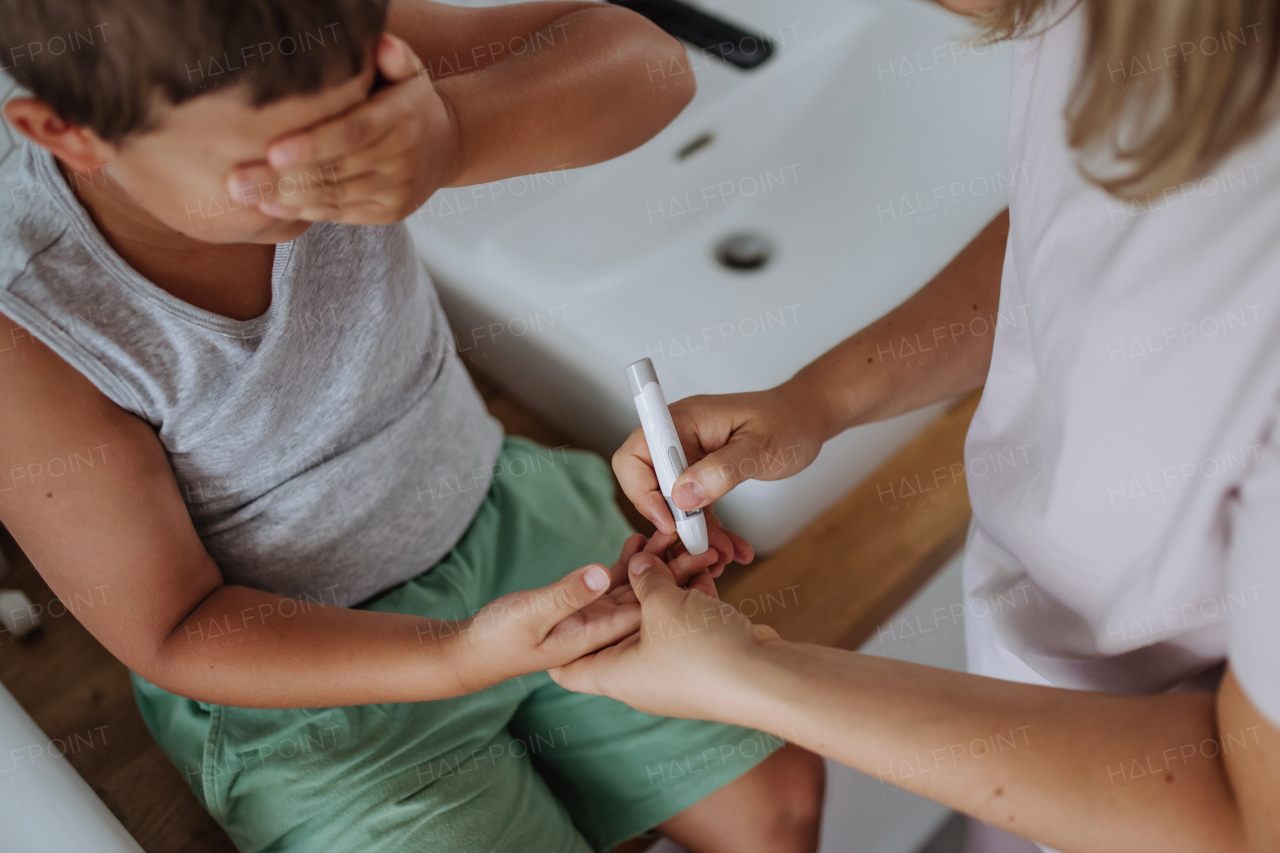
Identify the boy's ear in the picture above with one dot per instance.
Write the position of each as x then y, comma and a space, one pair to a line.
79, 149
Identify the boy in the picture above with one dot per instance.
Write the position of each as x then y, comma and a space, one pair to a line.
315, 536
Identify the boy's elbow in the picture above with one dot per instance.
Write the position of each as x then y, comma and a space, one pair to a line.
150, 657
670, 55
654, 61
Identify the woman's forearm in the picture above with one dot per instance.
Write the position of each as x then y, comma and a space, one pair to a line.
253, 649
928, 349
1079, 771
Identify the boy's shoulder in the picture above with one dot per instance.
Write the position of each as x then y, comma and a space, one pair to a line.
33, 220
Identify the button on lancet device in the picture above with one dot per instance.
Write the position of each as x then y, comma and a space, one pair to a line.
664, 449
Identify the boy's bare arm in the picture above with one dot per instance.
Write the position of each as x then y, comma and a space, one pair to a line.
547, 85
118, 534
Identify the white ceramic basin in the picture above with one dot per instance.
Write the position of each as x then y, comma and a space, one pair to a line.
867, 151
45, 807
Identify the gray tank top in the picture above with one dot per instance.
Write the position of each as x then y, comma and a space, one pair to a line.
329, 449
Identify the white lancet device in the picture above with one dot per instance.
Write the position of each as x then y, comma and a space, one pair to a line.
665, 450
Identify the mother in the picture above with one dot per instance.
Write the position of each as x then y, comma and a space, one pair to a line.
1134, 384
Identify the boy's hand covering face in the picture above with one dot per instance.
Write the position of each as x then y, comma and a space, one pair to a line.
372, 165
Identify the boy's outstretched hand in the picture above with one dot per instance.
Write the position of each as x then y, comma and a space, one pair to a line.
531, 630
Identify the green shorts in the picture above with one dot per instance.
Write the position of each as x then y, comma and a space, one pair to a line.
524, 766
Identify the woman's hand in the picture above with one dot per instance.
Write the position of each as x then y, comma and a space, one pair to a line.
727, 438
373, 165
683, 660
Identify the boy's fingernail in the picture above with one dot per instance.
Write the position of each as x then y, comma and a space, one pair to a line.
596, 578
272, 210
689, 495
639, 567
282, 155
241, 187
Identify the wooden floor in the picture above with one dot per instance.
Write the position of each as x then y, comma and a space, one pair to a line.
833, 585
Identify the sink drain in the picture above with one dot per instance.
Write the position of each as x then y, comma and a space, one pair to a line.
744, 251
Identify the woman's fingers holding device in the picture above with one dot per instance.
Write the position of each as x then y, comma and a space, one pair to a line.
634, 468
727, 438
737, 437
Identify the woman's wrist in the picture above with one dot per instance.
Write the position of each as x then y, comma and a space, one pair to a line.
821, 404
749, 693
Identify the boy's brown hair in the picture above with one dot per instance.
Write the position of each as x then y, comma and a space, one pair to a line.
106, 65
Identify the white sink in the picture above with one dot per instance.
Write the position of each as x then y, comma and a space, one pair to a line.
45, 807
867, 151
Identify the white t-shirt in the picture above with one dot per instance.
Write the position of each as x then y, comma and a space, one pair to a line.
1124, 465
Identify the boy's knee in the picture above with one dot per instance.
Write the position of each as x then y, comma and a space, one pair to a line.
798, 790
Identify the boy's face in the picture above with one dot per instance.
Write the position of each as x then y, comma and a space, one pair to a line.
178, 172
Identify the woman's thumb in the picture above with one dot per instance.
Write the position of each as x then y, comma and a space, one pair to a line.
649, 575
714, 475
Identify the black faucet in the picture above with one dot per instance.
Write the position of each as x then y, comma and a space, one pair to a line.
707, 32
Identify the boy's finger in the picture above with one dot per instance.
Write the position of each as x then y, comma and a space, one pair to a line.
568, 595
704, 583
720, 545
333, 141
687, 565
624, 595
329, 196
396, 60
356, 213
742, 551
254, 183
660, 543
634, 544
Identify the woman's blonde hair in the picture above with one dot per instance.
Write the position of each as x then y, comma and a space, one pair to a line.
1166, 89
